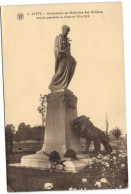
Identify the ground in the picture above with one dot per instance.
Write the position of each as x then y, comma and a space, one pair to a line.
106, 172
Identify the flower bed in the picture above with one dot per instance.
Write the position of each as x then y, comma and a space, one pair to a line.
106, 172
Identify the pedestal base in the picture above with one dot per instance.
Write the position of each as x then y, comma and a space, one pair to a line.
41, 161
36, 161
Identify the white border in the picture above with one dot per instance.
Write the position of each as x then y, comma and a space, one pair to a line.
127, 50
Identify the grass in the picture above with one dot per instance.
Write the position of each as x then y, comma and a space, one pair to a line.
27, 179
16, 157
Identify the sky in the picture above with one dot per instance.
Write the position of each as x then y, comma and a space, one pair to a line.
97, 46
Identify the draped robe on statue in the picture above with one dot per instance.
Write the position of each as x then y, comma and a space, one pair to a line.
64, 65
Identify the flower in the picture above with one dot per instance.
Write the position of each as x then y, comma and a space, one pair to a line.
108, 157
103, 180
103, 169
83, 189
113, 152
120, 155
123, 165
93, 159
114, 160
98, 184
84, 180
60, 167
71, 188
99, 156
121, 151
48, 186
105, 158
124, 155
106, 164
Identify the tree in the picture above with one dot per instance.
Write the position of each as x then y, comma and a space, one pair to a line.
26, 132
9, 134
117, 133
23, 132
37, 133
42, 108
107, 125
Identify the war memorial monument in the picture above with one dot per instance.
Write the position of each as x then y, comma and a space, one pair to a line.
60, 136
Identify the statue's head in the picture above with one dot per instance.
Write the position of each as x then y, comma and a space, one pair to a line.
65, 30
81, 123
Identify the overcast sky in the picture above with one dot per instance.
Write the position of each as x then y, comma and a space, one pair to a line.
97, 46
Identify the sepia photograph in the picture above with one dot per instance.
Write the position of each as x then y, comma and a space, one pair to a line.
64, 97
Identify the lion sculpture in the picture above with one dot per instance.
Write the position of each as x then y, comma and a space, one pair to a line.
85, 129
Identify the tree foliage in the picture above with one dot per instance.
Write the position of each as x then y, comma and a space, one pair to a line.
9, 132
26, 132
9, 135
117, 132
42, 108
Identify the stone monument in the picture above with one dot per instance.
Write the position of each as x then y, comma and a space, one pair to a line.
62, 104
61, 109
59, 133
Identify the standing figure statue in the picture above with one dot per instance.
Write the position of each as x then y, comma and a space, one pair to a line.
64, 63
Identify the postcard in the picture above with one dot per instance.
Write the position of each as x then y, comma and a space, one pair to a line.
64, 96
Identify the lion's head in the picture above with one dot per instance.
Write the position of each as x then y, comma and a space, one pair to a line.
80, 123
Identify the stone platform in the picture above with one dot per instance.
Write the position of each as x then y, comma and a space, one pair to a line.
39, 162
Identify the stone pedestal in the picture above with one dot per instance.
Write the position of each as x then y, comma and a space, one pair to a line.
59, 133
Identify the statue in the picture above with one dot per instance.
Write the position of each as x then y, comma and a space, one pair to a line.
85, 129
64, 63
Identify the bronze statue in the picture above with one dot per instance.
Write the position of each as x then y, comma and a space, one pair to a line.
85, 129
64, 63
